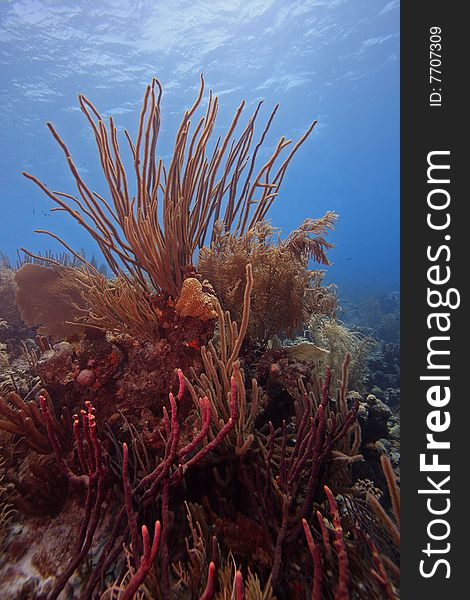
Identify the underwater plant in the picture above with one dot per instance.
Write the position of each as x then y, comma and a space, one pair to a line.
149, 237
153, 458
154, 232
285, 290
334, 336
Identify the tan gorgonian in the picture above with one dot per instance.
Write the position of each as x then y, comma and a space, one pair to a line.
24, 418
253, 590
149, 230
120, 305
285, 291
62, 300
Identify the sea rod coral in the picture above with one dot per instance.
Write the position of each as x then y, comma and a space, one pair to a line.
153, 459
149, 237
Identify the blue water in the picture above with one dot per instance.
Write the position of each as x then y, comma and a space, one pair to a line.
333, 60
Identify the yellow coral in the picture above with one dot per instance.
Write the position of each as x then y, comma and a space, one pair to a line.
195, 302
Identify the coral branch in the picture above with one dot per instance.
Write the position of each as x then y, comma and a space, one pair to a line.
324, 534
382, 515
205, 424
392, 486
51, 434
96, 492
209, 591
28, 421
342, 592
222, 381
131, 518
379, 573
317, 565
164, 553
239, 586
146, 561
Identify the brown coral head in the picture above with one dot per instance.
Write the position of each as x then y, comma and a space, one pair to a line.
195, 302
86, 377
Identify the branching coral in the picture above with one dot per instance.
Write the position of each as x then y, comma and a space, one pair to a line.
156, 485
149, 238
281, 471
345, 547
299, 465
202, 552
285, 292
393, 527
145, 562
222, 578
221, 365
93, 470
154, 232
25, 419
120, 305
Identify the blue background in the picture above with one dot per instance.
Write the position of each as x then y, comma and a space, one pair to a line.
335, 61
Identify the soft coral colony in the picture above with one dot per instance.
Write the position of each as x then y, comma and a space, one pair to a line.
178, 450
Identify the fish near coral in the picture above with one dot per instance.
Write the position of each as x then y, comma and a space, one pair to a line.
307, 351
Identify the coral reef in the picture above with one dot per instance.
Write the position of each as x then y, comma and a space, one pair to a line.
383, 378
168, 445
377, 316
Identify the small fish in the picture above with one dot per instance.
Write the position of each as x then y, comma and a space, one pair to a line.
307, 351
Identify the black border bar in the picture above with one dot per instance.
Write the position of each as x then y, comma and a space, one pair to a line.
434, 131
